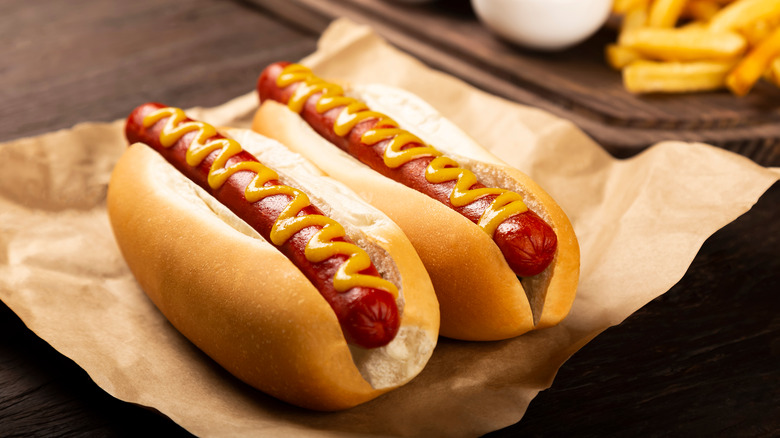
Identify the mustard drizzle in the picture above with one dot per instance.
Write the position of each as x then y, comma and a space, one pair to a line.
319, 248
441, 169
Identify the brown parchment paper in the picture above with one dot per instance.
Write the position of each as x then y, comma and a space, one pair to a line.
61, 271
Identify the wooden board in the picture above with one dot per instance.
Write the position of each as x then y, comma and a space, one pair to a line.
575, 84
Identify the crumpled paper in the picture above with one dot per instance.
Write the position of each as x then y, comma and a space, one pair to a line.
640, 223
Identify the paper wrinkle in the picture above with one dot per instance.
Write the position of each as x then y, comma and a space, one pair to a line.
61, 271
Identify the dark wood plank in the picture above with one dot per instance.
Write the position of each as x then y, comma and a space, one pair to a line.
68, 62
575, 84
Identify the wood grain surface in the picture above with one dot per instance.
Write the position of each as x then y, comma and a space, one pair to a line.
68, 62
700, 360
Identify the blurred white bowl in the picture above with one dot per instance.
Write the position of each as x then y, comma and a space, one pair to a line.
543, 24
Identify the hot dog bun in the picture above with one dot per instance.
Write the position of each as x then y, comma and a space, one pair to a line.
241, 301
480, 296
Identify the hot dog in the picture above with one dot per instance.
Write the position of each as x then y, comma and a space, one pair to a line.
267, 275
524, 278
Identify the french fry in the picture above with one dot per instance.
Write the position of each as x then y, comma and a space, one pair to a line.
727, 44
623, 6
635, 18
620, 56
759, 30
754, 64
675, 77
701, 10
743, 13
665, 13
773, 74
684, 45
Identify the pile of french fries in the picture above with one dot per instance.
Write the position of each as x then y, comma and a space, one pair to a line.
678, 46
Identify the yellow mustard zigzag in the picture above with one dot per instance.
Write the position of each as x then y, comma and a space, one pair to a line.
441, 169
319, 248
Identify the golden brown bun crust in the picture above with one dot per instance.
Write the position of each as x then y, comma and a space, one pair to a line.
265, 323
480, 297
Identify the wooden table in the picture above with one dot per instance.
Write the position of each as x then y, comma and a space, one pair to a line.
700, 360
